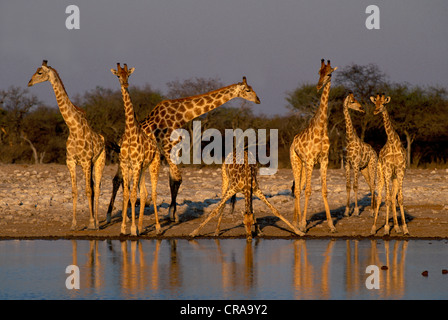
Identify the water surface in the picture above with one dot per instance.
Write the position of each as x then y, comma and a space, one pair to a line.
223, 269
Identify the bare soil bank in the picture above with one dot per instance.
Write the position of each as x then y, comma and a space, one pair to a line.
36, 203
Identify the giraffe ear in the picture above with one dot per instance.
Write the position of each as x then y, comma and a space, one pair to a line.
387, 100
373, 99
114, 71
131, 71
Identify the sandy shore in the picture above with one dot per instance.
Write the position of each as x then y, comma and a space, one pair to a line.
36, 202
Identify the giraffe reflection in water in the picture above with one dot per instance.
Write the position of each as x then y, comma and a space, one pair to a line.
298, 269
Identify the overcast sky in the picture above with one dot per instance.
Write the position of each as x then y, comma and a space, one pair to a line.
276, 44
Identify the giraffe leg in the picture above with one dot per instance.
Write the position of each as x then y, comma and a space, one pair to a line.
380, 178
87, 168
248, 215
388, 200
259, 194
366, 172
136, 176
154, 168
175, 182
323, 176
98, 168
400, 176
143, 195
355, 189
116, 183
308, 172
394, 205
224, 188
296, 164
71, 165
125, 172
347, 187
221, 203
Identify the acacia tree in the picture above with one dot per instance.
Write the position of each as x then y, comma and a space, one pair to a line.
15, 104
364, 81
418, 113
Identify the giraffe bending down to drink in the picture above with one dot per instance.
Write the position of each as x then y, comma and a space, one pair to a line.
241, 176
137, 153
311, 146
360, 157
84, 146
391, 167
170, 115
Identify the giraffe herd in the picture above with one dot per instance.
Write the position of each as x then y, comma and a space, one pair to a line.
144, 143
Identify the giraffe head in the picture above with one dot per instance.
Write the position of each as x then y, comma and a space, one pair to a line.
352, 103
324, 73
245, 91
42, 74
123, 74
380, 101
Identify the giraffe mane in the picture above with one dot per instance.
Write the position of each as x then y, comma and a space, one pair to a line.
200, 95
63, 87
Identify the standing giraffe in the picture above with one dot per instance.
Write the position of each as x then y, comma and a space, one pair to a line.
138, 152
311, 146
360, 156
391, 166
84, 146
170, 115
239, 176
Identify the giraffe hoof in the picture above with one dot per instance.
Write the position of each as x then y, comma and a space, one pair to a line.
134, 231
373, 230
194, 234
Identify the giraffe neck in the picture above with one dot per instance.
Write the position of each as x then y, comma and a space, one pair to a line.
130, 119
71, 113
321, 116
350, 131
391, 134
198, 105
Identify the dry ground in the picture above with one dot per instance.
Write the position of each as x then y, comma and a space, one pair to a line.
35, 202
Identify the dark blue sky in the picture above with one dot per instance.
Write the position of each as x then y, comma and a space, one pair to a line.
276, 44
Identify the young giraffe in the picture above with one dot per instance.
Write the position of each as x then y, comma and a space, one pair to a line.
311, 146
170, 115
239, 176
360, 156
391, 166
84, 146
138, 152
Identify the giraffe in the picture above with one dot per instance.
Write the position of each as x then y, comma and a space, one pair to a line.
311, 146
391, 166
138, 152
360, 156
84, 146
241, 176
170, 115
